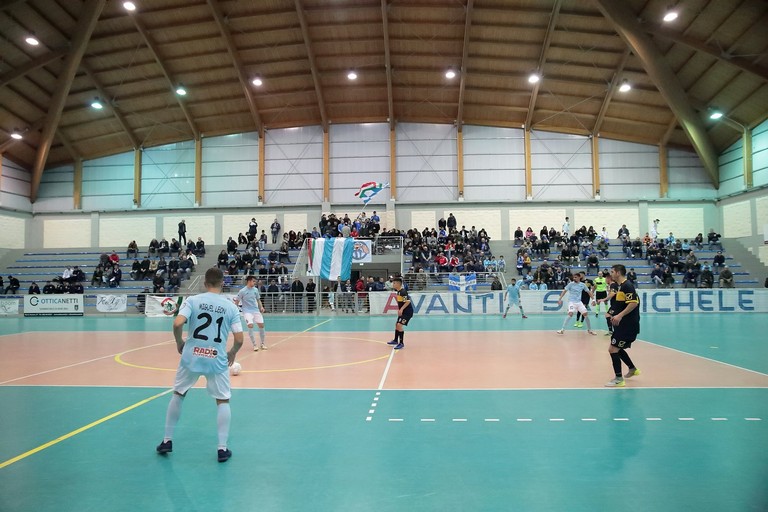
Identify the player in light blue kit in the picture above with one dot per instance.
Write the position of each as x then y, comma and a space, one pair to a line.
512, 295
204, 353
249, 299
574, 289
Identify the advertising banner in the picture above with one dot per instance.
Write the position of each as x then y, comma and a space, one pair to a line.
737, 300
53, 305
111, 303
9, 306
162, 306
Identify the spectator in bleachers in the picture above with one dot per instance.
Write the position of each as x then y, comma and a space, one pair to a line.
603, 248
518, 237
685, 246
253, 229
133, 249
98, 276
566, 229
689, 278
698, 242
104, 260
623, 231
593, 262
726, 278
657, 276
242, 239
190, 246
144, 270
78, 275
115, 277
647, 240
114, 258
223, 260
670, 240
76, 288
667, 278
275, 228
200, 248
231, 245
34, 289
311, 289
713, 239
158, 284
49, 288
706, 279
655, 229
232, 269
501, 264
283, 253
173, 265
174, 283
136, 273
182, 232
262, 240
175, 248
66, 276
153, 247
718, 262
141, 300
297, 295
604, 235
152, 269
632, 276
162, 267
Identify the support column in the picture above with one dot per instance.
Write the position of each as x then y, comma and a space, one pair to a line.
528, 175
77, 191
747, 157
595, 167
392, 165
326, 168
460, 163
663, 172
262, 152
137, 177
198, 172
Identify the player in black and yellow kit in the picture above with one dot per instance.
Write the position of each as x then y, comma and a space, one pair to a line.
626, 325
404, 312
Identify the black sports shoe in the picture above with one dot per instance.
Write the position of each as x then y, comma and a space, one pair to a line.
393, 342
224, 455
165, 447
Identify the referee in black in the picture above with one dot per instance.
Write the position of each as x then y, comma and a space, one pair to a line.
626, 326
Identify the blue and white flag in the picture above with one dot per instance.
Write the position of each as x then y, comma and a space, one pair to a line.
330, 258
462, 282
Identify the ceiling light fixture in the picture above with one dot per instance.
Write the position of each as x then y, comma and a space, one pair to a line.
450, 74
715, 113
181, 91
129, 6
352, 75
96, 103
257, 81
534, 78
625, 86
670, 15
16, 134
32, 40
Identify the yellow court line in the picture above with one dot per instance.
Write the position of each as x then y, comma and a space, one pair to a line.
80, 430
302, 332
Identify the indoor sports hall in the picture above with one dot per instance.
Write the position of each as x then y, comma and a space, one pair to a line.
415, 198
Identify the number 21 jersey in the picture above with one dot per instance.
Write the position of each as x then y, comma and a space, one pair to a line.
210, 318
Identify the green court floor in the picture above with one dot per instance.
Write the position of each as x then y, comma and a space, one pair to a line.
509, 450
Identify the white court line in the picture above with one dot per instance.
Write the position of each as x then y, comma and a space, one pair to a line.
460, 419
369, 418
428, 420
524, 419
84, 362
396, 419
492, 419
719, 419
754, 419
386, 371
371, 411
686, 419
708, 359
620, 419
556, 419
652, 419
588, 419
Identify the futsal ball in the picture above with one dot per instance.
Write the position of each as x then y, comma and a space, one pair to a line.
235, 369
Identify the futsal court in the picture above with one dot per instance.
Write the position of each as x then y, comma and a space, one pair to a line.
476, 413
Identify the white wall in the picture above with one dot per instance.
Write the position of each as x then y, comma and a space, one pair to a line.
687, 177
168, 176
358, 153
682, 221
294, 166
108, 183
67, 232
12, 231
494, 164
56, 192
230, 170
628, 170
561, 167
536, 217
610, 216
426, 163
14, 186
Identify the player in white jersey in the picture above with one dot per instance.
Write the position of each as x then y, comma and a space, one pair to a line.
512, 295
574, 289
204, 353
249, 299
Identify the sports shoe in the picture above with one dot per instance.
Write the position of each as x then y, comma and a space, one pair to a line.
393, 342
618, 382
255, 348
596, 313
504, 315
559, 332
525, 316
593, 333
577, 324
224, 455
165, 447
632, 373
263, 347
607, 333
399, 346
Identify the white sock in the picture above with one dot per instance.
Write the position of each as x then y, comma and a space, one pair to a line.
172, 416
586, 319
565, 322
223, 419
252, 336
521, 310
262, 334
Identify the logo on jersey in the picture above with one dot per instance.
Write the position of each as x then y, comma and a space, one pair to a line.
210, 353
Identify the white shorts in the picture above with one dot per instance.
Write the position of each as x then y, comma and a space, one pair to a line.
577, 306
216, 383
253, 318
